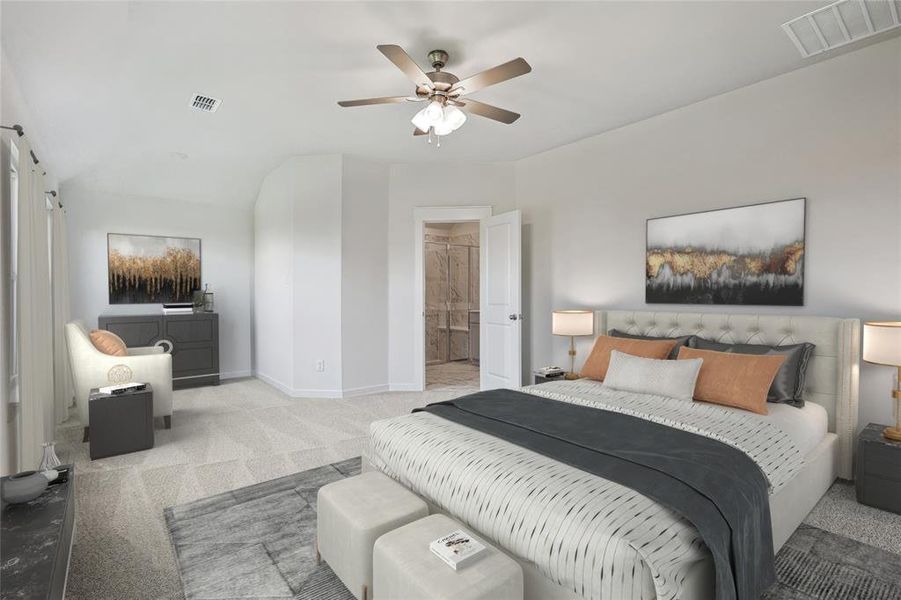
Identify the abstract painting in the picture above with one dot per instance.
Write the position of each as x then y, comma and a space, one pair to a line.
149, 269
746, 255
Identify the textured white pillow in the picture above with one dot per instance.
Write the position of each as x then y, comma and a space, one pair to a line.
671, 378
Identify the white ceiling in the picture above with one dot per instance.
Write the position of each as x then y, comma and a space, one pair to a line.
109, 82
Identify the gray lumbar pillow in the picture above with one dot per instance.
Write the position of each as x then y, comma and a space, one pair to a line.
682, 340
788, 386
671, 378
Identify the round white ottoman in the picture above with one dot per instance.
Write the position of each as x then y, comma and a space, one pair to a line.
351, 515
405, 569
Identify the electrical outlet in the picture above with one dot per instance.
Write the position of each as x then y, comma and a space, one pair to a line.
320, 366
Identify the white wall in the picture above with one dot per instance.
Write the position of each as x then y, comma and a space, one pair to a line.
421, 185
364, 276
273, 289
829, 132
317, 274
226, 235
321, 276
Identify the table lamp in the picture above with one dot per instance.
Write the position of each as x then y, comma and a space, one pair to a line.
882, 346
573, 323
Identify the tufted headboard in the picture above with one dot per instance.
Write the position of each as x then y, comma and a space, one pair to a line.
832, 374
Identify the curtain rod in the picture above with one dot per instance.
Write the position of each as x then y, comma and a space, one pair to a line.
21, 132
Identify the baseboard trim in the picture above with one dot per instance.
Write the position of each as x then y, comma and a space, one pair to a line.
306, 393
404, 387
236, 374
365, 391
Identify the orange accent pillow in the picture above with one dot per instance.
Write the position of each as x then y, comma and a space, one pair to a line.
730, 379
108, 342
599, 359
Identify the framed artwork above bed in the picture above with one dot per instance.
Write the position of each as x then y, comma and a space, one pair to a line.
749, 255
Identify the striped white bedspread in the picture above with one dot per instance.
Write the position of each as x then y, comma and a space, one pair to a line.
600, 539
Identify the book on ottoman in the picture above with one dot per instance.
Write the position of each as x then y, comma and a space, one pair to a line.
457, 549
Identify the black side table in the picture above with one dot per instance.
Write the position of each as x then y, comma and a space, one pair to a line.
878, 470
120, 424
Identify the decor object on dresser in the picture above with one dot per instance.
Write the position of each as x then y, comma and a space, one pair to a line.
121, 423
572, 323
151, 269
94, 369
191, 339
745, 255
37, 541
878, 470
882, 346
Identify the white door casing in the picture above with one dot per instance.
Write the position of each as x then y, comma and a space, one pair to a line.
500, 271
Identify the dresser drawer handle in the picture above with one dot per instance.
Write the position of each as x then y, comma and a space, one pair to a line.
166, 345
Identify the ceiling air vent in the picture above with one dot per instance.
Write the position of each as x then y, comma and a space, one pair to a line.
841, 23
205, 103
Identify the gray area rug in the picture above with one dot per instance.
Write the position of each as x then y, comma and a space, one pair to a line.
259, 542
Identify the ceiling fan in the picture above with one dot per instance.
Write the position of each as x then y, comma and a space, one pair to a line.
446, 94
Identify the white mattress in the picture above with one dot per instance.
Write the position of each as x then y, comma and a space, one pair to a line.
806, 426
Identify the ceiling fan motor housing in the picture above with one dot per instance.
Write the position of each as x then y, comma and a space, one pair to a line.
438, 58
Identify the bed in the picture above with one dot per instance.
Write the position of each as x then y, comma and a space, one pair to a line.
816, 443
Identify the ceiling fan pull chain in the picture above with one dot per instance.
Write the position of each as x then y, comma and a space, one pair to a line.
430, 135
439, 141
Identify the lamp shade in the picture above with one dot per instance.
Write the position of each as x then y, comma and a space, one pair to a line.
882, 342
573, 322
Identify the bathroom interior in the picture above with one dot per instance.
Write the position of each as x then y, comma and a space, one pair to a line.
452, 304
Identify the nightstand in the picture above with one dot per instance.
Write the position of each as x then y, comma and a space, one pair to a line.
539, 378
878, 470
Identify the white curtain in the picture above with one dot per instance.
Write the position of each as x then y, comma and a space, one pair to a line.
63, 394
34, 308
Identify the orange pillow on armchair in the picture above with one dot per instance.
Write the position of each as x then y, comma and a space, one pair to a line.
595, 366
108, 342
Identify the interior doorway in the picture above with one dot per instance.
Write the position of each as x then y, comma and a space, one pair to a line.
451, 305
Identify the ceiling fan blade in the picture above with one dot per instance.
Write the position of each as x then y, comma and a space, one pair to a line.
418, 131
403, 62
368, 101
488, 111
508, 70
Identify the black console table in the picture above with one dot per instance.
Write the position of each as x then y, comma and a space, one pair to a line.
192, 339
37, 543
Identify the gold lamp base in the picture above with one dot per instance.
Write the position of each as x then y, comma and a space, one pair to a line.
892, 433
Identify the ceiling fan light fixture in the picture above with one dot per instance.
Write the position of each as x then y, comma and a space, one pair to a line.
421, 121
434, 112
453, 119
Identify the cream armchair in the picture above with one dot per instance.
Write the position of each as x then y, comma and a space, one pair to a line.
92, 368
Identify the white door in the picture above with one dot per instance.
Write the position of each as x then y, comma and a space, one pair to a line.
500, 352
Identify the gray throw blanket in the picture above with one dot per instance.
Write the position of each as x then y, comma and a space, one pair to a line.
717, 488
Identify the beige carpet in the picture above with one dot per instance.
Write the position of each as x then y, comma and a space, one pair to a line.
222, 438
245, 432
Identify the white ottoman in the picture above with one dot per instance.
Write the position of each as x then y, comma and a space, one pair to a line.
405, 569
351, 515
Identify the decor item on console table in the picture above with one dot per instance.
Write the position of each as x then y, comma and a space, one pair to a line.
878, 471
882, 346
572, 323
37, 542
191, 339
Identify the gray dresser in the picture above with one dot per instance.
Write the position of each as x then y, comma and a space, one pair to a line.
193, 341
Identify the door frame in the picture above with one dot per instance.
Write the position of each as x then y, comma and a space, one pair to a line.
421, 217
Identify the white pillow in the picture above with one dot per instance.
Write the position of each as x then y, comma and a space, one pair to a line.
671, 378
